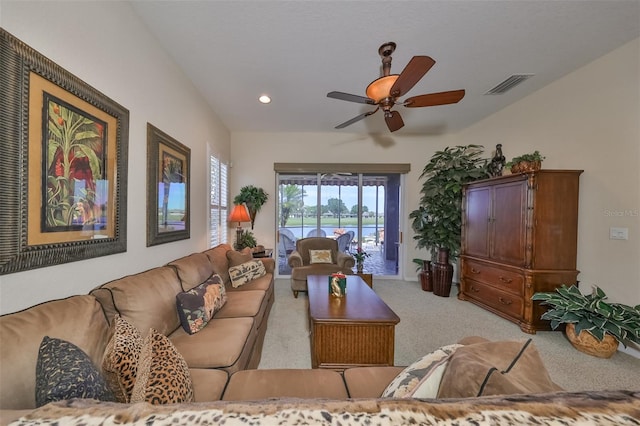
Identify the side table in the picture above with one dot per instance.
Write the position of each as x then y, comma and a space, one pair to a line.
367, 278
265, 253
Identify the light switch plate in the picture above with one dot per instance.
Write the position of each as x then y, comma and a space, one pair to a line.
618, 233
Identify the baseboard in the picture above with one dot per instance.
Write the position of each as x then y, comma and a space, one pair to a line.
631, 349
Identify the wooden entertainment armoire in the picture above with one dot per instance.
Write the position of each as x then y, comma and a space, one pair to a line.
519, 237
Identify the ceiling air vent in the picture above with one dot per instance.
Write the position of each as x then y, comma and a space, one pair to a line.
508, 84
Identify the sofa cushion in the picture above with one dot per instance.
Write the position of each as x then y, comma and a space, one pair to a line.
408, 379
192, 270
208, 383
163, 375
243, 304
21, 334
198, 305
246, 272
320, 256
369, 382
495, 368
120, 361
147, 300
221, 344
219, 262
264, 283
64, 371
239, 257
279, 383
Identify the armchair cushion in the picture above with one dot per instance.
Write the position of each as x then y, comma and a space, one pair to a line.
320, 256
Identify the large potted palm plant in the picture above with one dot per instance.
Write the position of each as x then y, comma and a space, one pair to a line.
437, 221
254, 198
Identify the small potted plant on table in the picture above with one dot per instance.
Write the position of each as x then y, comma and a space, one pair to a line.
593, 326
526, 163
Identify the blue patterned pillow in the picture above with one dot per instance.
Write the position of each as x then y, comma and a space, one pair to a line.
64, 371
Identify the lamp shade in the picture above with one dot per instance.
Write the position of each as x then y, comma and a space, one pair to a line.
380, 88
239, 214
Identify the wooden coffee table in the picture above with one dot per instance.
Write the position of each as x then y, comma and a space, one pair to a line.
357, 329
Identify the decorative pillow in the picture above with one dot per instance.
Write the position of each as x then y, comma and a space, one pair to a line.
430, 383
120, 360
410, 377
239, 257
246, 272
320, 256
163, 374
495, 368
64, 371
198, 305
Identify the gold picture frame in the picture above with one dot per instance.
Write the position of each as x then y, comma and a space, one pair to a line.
168, 188
64, 164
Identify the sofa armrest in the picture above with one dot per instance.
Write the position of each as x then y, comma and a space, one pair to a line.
269, 264
345, 261
295, 259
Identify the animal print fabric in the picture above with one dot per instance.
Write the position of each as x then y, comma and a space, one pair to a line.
120, 360
606, 408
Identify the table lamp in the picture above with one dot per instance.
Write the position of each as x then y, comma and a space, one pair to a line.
239, 214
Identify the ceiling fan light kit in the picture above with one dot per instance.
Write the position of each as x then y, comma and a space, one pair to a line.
385, 91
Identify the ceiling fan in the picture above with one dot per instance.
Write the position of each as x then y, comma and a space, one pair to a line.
385, 91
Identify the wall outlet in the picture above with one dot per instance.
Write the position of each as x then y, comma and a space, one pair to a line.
618, 233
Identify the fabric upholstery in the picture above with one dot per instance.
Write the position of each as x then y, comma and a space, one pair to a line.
64, 371
239, 257
278, 383
404, 384
192, 270
121, 357
219, 262
369, 382
246, 272
243, 304
147, 300
198, 305
495, 368
208, 383
163, 375
77, 319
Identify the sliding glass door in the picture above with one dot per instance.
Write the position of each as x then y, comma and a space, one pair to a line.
356, 209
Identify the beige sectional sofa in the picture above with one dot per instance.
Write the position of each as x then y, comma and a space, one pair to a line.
222, 358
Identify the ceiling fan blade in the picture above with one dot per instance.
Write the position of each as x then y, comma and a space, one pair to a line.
394, 121
355, 119
351, 98
432, 99
411, 74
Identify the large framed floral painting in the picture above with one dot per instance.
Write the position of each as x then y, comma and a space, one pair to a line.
168, 168
63, 164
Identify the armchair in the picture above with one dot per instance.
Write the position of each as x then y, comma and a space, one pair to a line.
301, 266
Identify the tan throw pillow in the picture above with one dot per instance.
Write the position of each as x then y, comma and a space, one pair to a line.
405, 382
320, 256
239, 257
120, 359
246, 272
163, 374
495, 368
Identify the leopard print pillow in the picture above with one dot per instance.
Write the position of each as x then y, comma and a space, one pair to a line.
120, 360
163, 374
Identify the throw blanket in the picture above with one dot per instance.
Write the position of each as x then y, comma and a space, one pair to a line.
566, 408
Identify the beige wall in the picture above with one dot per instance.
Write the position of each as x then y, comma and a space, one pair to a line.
587, 120
104, 44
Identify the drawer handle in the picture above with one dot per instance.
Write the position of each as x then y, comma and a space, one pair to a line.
475, 289
506, 280
505, 302
474, 271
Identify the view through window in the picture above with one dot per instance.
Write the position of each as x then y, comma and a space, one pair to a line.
358, 210
219, 193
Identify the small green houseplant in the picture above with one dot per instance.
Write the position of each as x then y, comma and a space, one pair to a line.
591, 314
437, 221
245, 239
254, 198
526, 162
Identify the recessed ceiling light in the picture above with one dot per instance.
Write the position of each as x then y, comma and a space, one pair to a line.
264, 99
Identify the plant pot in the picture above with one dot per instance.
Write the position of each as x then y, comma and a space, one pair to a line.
359, 267
425, 276
585, 342
442, 274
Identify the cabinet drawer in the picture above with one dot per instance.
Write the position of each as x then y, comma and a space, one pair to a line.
506, 280
502, 301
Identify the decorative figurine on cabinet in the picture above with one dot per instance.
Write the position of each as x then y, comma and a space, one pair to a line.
497, 162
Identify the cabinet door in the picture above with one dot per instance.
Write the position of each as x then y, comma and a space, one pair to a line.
508, 218
478, 213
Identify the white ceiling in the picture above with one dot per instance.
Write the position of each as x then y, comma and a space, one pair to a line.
298, 51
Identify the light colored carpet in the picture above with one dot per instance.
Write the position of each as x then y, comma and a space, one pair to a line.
428, 322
